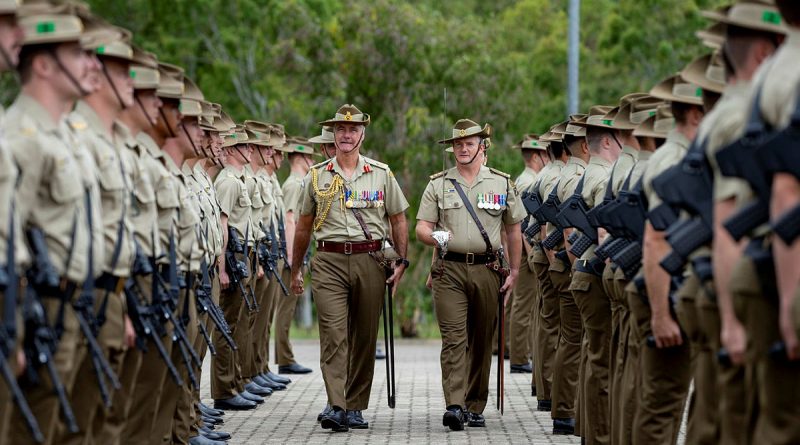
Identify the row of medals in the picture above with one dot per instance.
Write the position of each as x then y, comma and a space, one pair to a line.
365, 200
490, 201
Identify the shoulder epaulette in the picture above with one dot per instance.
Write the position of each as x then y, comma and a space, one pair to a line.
438, 175
76, 123
498, 172
376, 163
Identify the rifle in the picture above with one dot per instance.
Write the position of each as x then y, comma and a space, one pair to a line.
16, 391
532, 202
687, 186
268, 261
743, 159
388, 340
282, 242
205, 304
549, 212
787, 227
237, 270
574, 213
254, 273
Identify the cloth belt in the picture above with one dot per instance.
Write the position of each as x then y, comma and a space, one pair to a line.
348, 247
110, 283
470, 258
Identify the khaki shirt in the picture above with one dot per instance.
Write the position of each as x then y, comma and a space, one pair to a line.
268, 211
196, 190
257, 204
638, 169
292, 190
8, 207
594, 189
114, 174
669, 154
234, 201
779, 80
279, 206
54, 183
370, 178
187, 236
621, 168
168, 199
525, 179
144, 214
442, 205
211, 223
570, 176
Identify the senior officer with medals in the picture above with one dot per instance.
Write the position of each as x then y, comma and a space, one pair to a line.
462, 213
354, 205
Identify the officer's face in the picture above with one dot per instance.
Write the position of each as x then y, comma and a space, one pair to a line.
150, 103
120, 77
465, 149
348, 136
11, 41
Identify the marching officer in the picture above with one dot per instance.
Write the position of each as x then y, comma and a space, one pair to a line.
352, 204
469, 274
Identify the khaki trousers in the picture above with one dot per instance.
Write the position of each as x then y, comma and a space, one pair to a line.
522, 312
547, 327
665, 377
568, 356
465, 299
349, 292
265, 297
627, 375
275, 294
226, 371
41, 398
85, 397
595, 310
151, 384
284, 314
774, 380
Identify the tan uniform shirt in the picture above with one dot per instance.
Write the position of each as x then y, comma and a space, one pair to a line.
256, 203
211, 223
116, 188
525, 179
372, 189
234, 201
51, 195
638, 169
669, 154
594, 189
621, 168
168, 199
570, 176
196, 190
442, 205
292, 190
268, 211
144, 214
8, 182
188, 222
547, 180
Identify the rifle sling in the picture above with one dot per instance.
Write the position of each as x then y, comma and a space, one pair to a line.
474, 215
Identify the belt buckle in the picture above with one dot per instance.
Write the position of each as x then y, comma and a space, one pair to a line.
470, 258
348, 248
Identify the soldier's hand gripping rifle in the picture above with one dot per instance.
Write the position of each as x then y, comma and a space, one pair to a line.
687, 186
237, 270
267, 258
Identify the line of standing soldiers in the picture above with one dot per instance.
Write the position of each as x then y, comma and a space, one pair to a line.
661, 248
139, 231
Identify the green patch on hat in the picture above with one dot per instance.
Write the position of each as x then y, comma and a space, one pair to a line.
651, 114
608, 122
772, 17
699, 92
101, 50
45, 27
132, 74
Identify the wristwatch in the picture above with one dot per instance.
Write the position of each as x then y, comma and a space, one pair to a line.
402, 261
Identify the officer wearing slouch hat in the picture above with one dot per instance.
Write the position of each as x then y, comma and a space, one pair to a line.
462, 213
352, 204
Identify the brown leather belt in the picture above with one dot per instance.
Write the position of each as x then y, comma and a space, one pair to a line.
348, 247
470, 258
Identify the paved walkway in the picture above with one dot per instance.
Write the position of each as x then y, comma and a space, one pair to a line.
290, 416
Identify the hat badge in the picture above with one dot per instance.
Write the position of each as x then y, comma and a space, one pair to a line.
462, 133
348, 116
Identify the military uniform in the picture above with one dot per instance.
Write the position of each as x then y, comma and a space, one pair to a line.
264, 290
347, 283
291, 191
568, 356
465, 293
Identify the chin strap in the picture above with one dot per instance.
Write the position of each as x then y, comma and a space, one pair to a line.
113, 86
473, 157
144, 112
166, 122
67, 73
